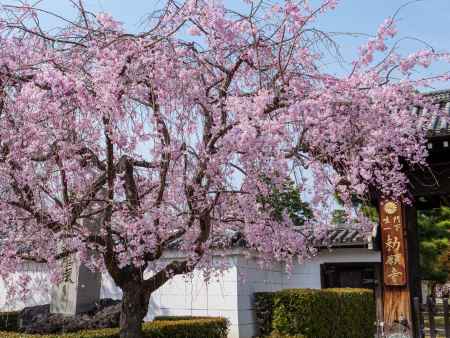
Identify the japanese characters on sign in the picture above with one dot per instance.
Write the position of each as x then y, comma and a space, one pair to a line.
394, 264
67, 269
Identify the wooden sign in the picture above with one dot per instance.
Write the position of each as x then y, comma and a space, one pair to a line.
392, 225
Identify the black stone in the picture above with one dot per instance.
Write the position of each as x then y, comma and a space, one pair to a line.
38, 320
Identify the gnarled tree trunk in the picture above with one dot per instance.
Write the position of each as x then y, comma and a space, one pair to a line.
136, 292
134, 308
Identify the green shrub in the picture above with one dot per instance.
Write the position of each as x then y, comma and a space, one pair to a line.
277, 335
359, 308
327, 313
8, 321
194, 328
263, 305
168, 318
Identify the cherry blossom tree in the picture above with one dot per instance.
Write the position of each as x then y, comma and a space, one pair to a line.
179, 132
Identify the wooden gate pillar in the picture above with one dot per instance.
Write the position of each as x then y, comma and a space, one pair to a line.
396, 291
414, 278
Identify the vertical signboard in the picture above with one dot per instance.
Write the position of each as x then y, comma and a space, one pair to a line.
394, 261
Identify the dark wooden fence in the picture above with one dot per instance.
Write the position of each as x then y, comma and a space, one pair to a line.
432, 318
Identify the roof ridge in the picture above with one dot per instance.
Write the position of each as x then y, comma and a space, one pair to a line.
445, 93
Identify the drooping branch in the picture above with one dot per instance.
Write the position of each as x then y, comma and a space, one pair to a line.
63, 175
161, 277
131, 190
165, 141
89, 155
39, 216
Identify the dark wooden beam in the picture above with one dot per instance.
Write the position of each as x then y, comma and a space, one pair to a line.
432, 181
414, 280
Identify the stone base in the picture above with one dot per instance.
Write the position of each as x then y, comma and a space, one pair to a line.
37, 319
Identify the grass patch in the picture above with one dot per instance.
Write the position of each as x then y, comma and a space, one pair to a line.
192, 328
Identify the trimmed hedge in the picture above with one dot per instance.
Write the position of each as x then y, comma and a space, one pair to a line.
194, 328
8, 321
326, 313
277, 335
263, 305
169, 318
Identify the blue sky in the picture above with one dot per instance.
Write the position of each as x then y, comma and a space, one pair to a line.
426, 20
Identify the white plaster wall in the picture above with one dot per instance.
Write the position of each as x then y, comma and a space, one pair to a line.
38, 291
253, 278
191, 295
229, 295
306, 275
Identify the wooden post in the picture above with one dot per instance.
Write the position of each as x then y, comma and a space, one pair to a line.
446, 319
378, 292
418, 324
432, 324
396, 294
414, 279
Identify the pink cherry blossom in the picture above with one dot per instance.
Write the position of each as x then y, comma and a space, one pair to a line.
121, 147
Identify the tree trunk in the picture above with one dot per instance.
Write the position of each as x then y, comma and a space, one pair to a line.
134, 308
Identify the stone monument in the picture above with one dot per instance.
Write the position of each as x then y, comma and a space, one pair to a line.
80, 289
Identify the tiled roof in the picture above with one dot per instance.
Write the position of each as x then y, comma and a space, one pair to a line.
336, 237
436, 125
340, 237
347, 236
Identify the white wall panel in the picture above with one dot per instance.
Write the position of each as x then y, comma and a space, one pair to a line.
228, 294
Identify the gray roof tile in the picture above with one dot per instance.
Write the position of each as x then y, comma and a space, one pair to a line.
434, 124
